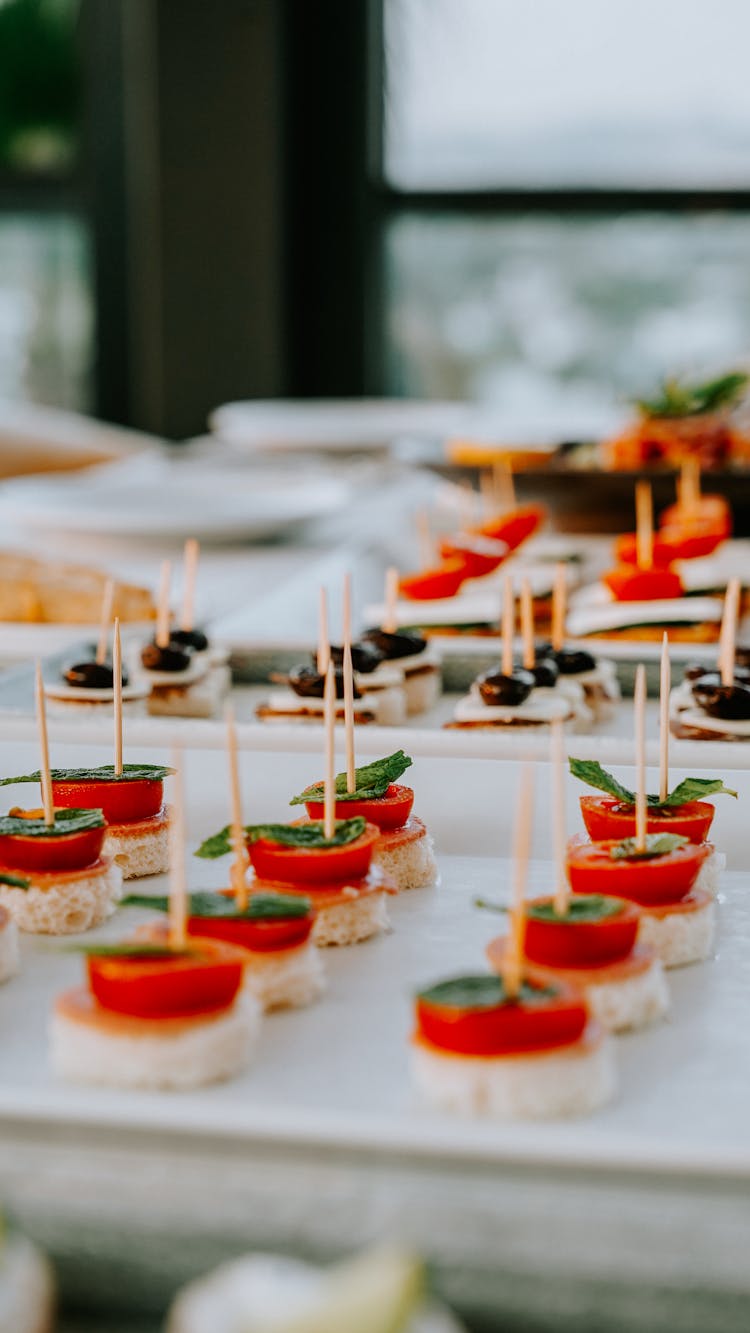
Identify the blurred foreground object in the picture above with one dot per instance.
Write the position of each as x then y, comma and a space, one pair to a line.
41, 439
26, 1286
686, 420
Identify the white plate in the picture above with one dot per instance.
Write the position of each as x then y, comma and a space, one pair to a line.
340, 424
214, 506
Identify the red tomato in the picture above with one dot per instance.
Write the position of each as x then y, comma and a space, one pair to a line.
263, 935
188, 984
121, 802
709, 510
563, 943
690, 543
660, 879
432, 584
605, 817
516, 527
643, 585
507, 1029
476, 561
389, 811
68, 851
314, 865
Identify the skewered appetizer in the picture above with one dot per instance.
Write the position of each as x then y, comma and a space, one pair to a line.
156, 1016
590, 942
283, 967
379, 1292
334, 873
416, 659
27, 1288
404, 850
535, 1054
87, 686
132, 802
475, 610
684, 419
70, 885
703, 708
302, 699
185, 676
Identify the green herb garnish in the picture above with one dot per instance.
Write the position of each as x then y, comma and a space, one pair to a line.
14, 881
106, 773
286, 835
485, 991
130, 950
591, 772
681, 399
657, 844
371, 781
586, 907
260, 907
66, 821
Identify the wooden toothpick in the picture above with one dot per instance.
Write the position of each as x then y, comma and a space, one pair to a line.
41, 722
178, 898
527, 625
324, 651
117, 695
163, 614
487, 492
644, 523
641, 822
351, 781
508, 624
105, 621
238, 872
514, 954
557, 758
665, 685
424, 538
728, 640
559, 607
689, 485
329, 806
505, 488
192, 552
390, 623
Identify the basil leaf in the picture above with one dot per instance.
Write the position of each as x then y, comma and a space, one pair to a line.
371, 781
14, 881
286, 835
66, 821
584, 907
106, 773
591, 772
679, 399
657, 844
485, 991
132, 949
696, 789
260, 907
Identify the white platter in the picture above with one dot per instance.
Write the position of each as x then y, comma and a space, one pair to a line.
333, 424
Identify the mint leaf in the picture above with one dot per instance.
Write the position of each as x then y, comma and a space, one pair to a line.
130, 949
591, 772
584, 907
485, 991
106, 773
657, 844
66, 821
678, 399
697, 789
14, 881
371, 781
260, 907
286, 835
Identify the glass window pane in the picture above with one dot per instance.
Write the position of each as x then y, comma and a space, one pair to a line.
46, 314
553, 318
599, 93
39, 85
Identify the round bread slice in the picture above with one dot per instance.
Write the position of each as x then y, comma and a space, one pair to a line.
405, 856
344, 913
285, 978
10, 959
550, 1084
623, 996
680, 933
65, 902
90, 1044
140, 848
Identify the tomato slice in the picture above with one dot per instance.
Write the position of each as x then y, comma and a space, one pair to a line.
626, 550
389, 811
121, 802
660, 879
506, 1029
605, 817
432, 584
477, 562
566, 943
516, 527
314, 865
708, 510
643, 585
188, 984
689, 543
68, 851
262, 935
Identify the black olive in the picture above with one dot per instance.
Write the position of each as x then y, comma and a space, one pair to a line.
172, 658
190, 638
730, 702
569, 661
742, 656
708, 675
307, 682
545, 672
694, 670
498, 689
403, 643
365, 657
92, 675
